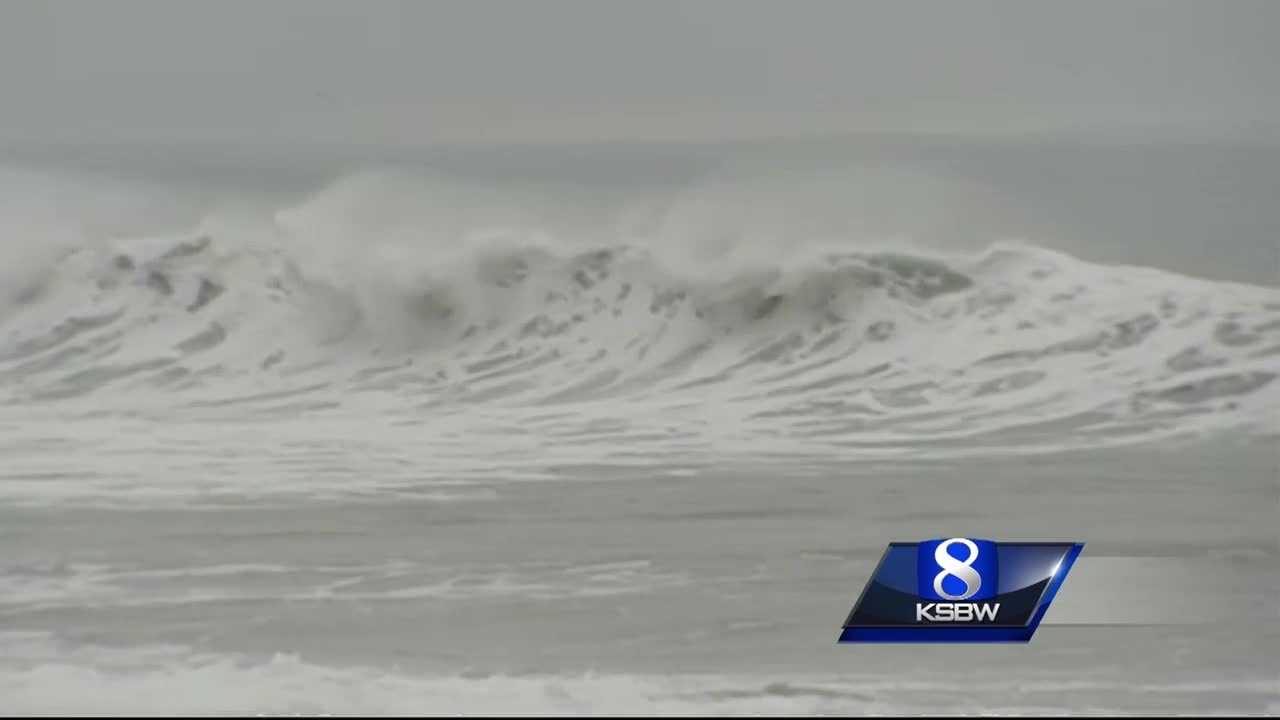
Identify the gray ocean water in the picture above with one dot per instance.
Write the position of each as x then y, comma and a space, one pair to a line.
525, 432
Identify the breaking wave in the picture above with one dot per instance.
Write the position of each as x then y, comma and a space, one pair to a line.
627, 347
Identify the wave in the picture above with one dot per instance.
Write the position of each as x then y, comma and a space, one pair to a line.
636, 346
849, 348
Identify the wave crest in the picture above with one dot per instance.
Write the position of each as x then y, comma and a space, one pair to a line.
1018, 346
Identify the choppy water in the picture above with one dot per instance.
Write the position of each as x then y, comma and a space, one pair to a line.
608, 590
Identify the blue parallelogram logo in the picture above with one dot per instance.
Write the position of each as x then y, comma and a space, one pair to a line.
960, 590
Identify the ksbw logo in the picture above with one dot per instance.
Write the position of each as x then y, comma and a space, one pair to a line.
960, 590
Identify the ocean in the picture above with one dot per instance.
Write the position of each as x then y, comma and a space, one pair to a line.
590, 430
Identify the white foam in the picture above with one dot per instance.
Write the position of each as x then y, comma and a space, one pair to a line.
433, 334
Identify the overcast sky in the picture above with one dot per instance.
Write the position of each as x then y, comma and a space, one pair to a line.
420, 72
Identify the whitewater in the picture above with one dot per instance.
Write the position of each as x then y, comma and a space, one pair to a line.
408, 443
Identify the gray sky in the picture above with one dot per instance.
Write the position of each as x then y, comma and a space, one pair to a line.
370, 72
